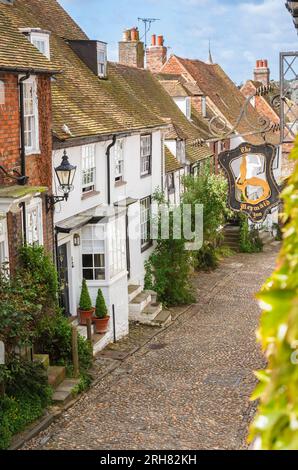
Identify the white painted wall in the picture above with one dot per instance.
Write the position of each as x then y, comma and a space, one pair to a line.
134, 186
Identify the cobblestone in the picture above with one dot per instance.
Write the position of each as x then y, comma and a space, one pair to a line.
189, 386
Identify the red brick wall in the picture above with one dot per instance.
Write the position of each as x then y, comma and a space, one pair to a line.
156, 57
38, 167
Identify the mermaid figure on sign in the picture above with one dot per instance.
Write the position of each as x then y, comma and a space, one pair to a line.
242, 183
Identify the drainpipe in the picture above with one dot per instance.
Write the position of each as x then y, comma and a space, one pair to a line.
22, 150
108, 154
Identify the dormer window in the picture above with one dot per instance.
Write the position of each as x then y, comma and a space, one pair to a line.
93, 53
39, 38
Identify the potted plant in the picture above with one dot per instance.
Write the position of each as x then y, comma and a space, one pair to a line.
85, 309
102, 318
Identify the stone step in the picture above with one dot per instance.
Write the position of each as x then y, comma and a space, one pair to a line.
56, 375
98, 341
162, 319
152, 310
64, 392
133, 291
139, 303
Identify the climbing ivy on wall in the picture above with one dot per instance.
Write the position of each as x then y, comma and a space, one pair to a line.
276, 424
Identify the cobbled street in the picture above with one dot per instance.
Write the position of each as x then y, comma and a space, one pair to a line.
189, 386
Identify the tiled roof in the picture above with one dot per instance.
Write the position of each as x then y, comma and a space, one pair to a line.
225, 95
130, 99
174, 88
16, 52
194, 153
171, 162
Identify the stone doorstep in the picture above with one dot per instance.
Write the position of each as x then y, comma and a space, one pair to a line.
56, 375
64, 392
140, 302
133, 291
162, 319
151, 311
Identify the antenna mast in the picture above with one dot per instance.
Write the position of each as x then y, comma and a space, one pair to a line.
147, 24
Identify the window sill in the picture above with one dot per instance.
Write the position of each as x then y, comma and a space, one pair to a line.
145, 175
89, 194
29, 152
118, 184
146, 247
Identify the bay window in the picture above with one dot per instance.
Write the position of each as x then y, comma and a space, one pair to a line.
146, 154
93, 253
145, 222
88, 168
117, 246
31, 131
119, 160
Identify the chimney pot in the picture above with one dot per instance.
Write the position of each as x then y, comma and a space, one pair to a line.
266, 63
160, 41
153, 42
134, 33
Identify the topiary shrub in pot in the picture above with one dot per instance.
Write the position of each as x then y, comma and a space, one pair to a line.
102, 318
85, 309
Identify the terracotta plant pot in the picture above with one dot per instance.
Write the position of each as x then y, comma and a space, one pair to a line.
101, 325
84, 314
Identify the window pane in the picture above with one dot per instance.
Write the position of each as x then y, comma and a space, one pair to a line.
88, 274
88, 168
87, 261
99, 260
99, 274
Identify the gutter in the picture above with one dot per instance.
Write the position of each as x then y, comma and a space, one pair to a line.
108, 155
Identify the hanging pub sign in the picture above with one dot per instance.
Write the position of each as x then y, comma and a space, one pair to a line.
253, 188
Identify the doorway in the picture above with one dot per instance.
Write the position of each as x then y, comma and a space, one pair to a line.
64, 278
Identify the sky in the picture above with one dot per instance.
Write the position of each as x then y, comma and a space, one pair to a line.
240, 31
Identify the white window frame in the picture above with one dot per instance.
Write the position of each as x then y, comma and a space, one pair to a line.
88, 167
119, 160
117, 246
204, 106
146, 154
31, 116
34, 233
188, 107
101, 60
180, 150
145, 217
4, 250
2, 92
41, 38
93, 251
171, 179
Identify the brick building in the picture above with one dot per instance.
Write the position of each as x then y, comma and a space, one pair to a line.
25, 141
264, 91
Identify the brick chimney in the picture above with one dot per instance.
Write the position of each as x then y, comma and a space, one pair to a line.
262, 72
156, 54
131, 49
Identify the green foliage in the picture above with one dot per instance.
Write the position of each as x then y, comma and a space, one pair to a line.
101, 310
168, 269
54, 336
211, 191
250, 241
43, 275
275, 427
85, 299
27, 394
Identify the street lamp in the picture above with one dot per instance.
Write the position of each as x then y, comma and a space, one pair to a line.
65, 173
